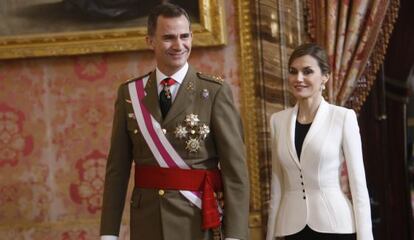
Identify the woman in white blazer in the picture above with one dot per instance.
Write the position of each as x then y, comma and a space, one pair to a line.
310, 142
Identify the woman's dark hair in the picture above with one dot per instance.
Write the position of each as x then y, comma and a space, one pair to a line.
316, 52
166, 10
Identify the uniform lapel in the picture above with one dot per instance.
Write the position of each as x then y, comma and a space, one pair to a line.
185, 96
150, 100
291, 135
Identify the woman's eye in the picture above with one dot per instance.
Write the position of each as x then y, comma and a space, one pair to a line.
292, 71
307, 71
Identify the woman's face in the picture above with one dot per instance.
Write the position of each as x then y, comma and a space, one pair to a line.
305, 78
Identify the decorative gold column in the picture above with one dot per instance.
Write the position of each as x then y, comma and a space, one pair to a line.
248, 106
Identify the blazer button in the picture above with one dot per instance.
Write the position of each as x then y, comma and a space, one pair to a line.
161, 192
164, 130
304, 197
303, 190
301, 183
301, 176
135, 131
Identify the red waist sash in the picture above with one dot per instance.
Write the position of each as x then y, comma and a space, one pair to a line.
205, 181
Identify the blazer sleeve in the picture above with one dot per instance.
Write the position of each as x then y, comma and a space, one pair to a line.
228, 137
118, 168
276, 182
352, 148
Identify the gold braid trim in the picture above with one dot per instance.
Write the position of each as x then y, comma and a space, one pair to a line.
366, 81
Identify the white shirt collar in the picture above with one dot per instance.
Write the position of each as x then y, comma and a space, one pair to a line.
178, 76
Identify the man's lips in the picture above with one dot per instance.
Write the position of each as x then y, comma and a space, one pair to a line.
177, 54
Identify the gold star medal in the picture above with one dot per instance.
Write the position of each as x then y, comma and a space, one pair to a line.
193, 132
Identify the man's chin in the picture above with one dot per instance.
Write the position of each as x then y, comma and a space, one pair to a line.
179, 59
173, 67
179, 64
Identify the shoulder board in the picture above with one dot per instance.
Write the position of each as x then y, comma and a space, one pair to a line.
136, 78
211, 78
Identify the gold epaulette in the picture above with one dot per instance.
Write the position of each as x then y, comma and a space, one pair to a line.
136, 78
130, 80
211, 78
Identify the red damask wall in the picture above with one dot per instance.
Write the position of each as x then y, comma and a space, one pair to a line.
55, 123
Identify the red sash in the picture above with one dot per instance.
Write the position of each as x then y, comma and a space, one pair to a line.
206, 181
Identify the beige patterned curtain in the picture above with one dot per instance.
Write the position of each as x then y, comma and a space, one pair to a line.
355, 34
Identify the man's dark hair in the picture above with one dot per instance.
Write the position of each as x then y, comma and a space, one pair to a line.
167, 10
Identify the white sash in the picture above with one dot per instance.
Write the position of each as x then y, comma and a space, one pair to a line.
161, 148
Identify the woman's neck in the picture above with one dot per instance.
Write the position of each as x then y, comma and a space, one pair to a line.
307, 109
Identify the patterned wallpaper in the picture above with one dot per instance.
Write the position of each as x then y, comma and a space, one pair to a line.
55, 123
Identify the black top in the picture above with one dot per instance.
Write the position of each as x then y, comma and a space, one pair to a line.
300, 133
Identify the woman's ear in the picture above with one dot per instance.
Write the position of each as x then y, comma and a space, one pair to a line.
326, 77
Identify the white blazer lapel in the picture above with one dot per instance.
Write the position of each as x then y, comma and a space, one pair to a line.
318, 122
290, 133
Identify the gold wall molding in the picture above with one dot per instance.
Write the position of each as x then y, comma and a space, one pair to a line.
248, 110
209, 32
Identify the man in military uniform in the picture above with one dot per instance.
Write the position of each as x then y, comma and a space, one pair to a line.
183, 133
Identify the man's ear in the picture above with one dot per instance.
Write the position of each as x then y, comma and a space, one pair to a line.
150, 42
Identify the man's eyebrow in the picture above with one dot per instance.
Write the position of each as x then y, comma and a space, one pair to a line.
168, 35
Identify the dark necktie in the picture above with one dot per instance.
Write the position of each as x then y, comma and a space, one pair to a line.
165, 96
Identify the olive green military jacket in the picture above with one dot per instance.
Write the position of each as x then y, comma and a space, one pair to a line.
167, 215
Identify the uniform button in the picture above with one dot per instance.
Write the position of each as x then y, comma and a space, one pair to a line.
161, 192
164, 130
136, 131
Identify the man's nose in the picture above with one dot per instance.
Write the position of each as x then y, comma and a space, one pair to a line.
178, 43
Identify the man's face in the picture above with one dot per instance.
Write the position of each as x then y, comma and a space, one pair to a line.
171, 43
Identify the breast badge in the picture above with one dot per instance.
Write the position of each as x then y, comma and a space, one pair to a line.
193, 132
205, 94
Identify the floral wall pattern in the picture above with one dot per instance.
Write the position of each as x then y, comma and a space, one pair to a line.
55, 123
